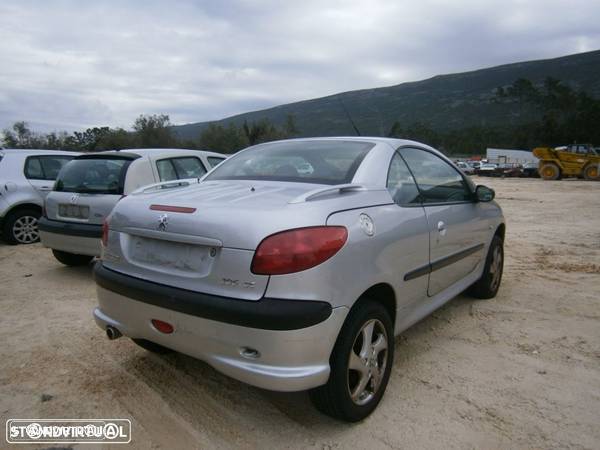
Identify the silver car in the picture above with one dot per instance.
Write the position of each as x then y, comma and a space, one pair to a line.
467, 169
292, 279
26, 177
88, 188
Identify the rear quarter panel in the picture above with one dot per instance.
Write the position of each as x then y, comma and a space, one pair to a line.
397, 247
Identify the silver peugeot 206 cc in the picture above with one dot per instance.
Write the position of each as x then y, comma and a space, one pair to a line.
292, 265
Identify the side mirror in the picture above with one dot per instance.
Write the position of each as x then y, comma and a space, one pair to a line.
484, 193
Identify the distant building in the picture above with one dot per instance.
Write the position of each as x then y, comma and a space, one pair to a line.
500, 156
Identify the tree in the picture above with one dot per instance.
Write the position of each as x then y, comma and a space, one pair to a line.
262, 131
218, 138
290, 126
20, 136
154, 131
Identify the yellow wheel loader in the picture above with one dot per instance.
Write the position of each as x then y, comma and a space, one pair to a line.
577, 160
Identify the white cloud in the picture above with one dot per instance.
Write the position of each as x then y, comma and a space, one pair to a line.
69, 64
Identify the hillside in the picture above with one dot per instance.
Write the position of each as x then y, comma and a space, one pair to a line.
443, 102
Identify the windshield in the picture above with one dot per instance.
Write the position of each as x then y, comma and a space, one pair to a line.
319, 162
93, 175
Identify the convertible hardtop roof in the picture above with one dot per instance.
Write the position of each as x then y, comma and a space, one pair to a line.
394, 142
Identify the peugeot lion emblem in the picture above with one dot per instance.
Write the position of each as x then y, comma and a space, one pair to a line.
74, 199
163, 222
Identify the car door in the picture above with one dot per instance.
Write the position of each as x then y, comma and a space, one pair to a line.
397, 232
42, 170
408, 246
457, 228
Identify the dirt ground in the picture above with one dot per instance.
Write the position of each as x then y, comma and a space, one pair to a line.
519, 371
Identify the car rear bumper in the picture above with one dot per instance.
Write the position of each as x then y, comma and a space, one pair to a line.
81, 239
290, 358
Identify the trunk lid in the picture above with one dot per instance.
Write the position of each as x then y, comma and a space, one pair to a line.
237, 214
209, 246
80, 208
88, 188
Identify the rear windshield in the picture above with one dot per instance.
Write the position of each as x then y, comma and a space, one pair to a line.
319, 162
93, 175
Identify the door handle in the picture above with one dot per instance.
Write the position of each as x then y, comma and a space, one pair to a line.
441, 226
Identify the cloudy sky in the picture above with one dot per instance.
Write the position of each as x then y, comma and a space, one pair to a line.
70, 65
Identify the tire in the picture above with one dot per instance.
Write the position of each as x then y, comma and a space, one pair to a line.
591, 172
550, 171
335, 398
152, 346
489, 283
20, 227
71, 259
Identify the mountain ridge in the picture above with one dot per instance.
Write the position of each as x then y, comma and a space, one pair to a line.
444, 102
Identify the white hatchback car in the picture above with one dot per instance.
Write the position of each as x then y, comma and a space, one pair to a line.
26, 177
88, 188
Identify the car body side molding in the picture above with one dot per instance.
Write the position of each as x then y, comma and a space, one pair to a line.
441, 263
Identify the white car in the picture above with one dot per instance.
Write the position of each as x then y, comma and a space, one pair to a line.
88, 188
487, 169
26, 177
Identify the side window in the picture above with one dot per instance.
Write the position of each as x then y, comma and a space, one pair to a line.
33, 169
190, 167
213, 160
438, 181
51, 165
401, 184
180, 168
166, 171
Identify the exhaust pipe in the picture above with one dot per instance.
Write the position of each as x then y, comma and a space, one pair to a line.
112, 333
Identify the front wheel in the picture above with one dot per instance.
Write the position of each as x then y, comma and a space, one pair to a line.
71, 259
489, 283
550, 171
361, 362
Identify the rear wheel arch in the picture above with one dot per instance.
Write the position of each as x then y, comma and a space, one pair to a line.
21, 206
382, 293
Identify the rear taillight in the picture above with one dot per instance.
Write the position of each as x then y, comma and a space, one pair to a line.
295, 250
105, 232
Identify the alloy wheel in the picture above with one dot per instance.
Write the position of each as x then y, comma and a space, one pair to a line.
25, 229
368, 361
496, 267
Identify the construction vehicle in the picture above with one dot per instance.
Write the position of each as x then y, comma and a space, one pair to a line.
577, 160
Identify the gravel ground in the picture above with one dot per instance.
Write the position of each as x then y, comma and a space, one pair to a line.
519, 371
